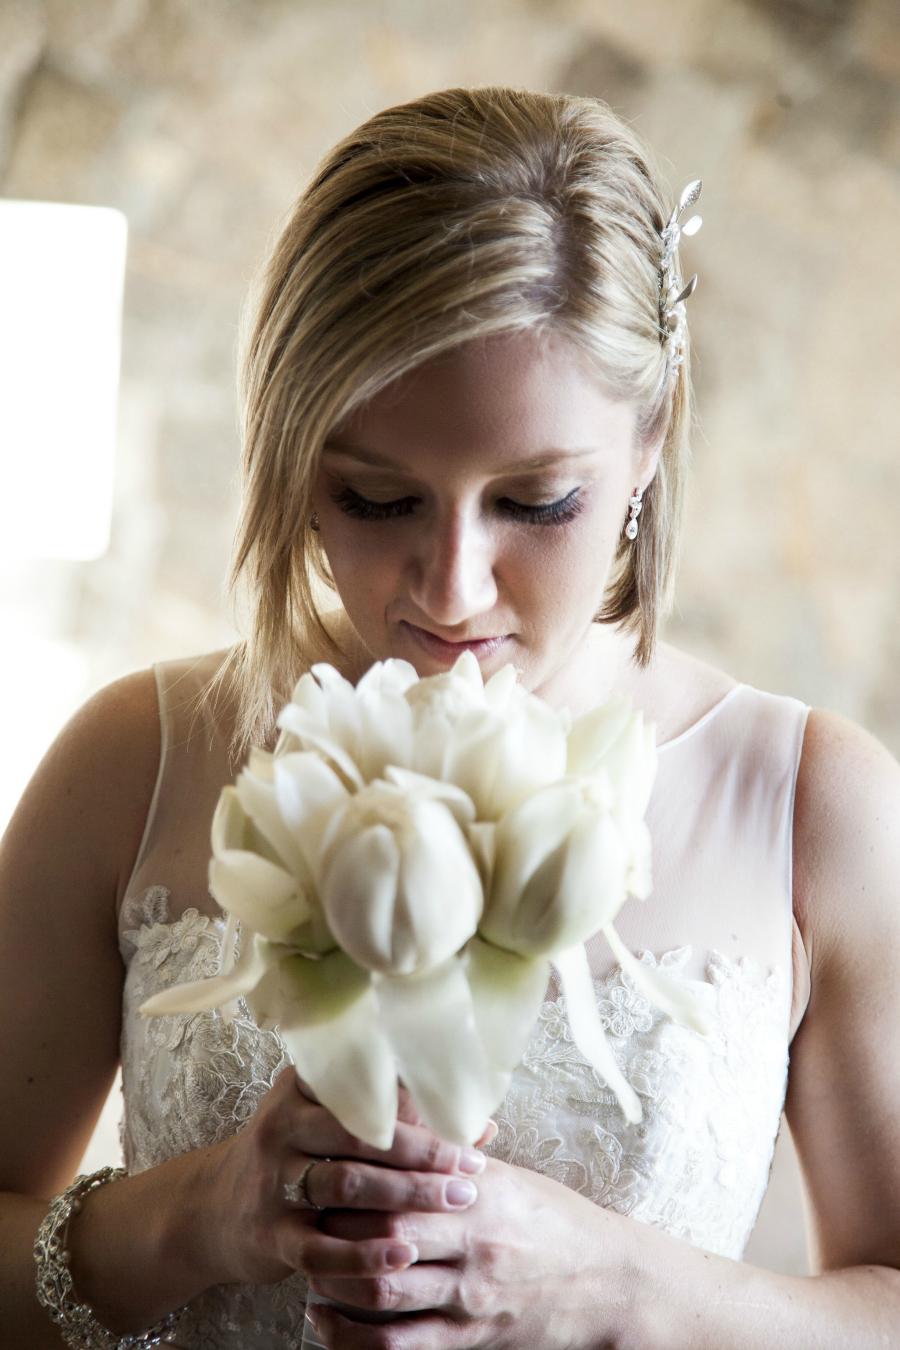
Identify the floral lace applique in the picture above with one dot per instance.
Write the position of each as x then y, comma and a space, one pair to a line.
190, 1081
697, 1165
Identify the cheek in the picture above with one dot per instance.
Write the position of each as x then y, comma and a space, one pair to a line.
365, 563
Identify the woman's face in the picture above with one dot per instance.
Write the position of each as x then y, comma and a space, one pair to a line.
477, 503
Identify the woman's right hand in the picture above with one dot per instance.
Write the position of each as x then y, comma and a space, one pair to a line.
263, 1237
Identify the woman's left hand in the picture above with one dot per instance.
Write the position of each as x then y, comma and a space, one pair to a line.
530, 1266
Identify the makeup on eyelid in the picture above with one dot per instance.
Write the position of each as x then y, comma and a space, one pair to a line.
555, 512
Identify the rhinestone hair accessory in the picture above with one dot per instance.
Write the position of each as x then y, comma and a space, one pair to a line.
672, 291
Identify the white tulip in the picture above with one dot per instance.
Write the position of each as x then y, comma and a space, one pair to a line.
359, 731
494, 740
398, 884
559, 868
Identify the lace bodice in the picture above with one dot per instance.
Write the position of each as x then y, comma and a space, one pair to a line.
696, 1166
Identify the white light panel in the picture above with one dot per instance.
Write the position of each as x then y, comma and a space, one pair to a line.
61, 276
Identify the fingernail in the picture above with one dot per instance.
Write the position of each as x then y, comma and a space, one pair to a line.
460, 1193
471, 1161
395, 1257
312, 1316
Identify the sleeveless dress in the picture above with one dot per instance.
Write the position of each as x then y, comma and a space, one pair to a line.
719, 920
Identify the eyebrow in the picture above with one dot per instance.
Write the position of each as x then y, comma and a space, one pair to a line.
543, 460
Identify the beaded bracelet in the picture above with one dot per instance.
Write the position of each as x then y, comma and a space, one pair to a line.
77, 1325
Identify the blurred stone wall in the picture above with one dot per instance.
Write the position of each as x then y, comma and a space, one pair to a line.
199, 119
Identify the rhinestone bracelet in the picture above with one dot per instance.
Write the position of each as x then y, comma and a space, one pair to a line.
77, 1325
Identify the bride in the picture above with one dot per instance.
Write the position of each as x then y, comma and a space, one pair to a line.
466, 409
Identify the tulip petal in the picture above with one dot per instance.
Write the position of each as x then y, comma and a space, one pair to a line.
587, 1033
314, 737
466, 667
678, 1003
263, 897
430, 1019
259, 800
507, 993
349, 1064
358, 891
430, 789
307, 791
299, 991
200, 995
593, 734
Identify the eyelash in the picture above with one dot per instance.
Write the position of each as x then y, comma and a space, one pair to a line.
551, 513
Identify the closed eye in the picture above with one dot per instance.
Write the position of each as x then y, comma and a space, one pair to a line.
361, 508
548, 513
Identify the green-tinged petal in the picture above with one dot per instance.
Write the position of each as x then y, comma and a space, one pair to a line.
349, 1064
640, 875
430, 1019
200, 995
669, 997
526, 843
587, 1033
262, 896
314, 737
593, 734
300, 992
507, 993
423, 786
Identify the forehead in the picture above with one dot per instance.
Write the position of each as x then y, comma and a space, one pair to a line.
499, 400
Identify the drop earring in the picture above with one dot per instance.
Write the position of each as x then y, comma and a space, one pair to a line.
314, 522
635, 504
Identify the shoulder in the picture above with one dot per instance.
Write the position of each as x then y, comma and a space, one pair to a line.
846, 839
676, 690
95, 785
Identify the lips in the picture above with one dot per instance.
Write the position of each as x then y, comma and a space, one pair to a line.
448, 652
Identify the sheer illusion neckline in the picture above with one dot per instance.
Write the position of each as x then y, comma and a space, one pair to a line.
703, 721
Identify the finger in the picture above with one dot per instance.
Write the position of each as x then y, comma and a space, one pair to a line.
344, 1184
317, 1133
436, 1237
319, 1255
490, 1134
419, 1331
406, 1108
418, 1288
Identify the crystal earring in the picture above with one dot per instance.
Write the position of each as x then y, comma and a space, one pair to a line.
635, 504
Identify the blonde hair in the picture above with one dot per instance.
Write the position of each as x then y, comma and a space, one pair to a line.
461, 215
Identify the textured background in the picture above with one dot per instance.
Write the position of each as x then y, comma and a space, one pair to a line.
199, 120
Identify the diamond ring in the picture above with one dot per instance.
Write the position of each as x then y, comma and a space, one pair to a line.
295, 1192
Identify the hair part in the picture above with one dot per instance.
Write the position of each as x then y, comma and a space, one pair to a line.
463, 215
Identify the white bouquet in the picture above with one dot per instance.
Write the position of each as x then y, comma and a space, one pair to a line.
405, 867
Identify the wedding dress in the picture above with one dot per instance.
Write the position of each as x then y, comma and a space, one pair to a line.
719, 920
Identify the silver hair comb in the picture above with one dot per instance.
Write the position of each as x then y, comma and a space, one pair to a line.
672, 292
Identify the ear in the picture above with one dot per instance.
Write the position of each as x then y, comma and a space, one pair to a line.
648, 462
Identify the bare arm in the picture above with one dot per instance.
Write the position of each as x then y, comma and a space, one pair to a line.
64, 862
145, 1245
533, 1266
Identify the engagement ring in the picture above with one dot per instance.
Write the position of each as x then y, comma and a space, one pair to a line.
295, 1192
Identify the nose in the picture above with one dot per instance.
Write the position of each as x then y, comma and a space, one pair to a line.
452, 575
